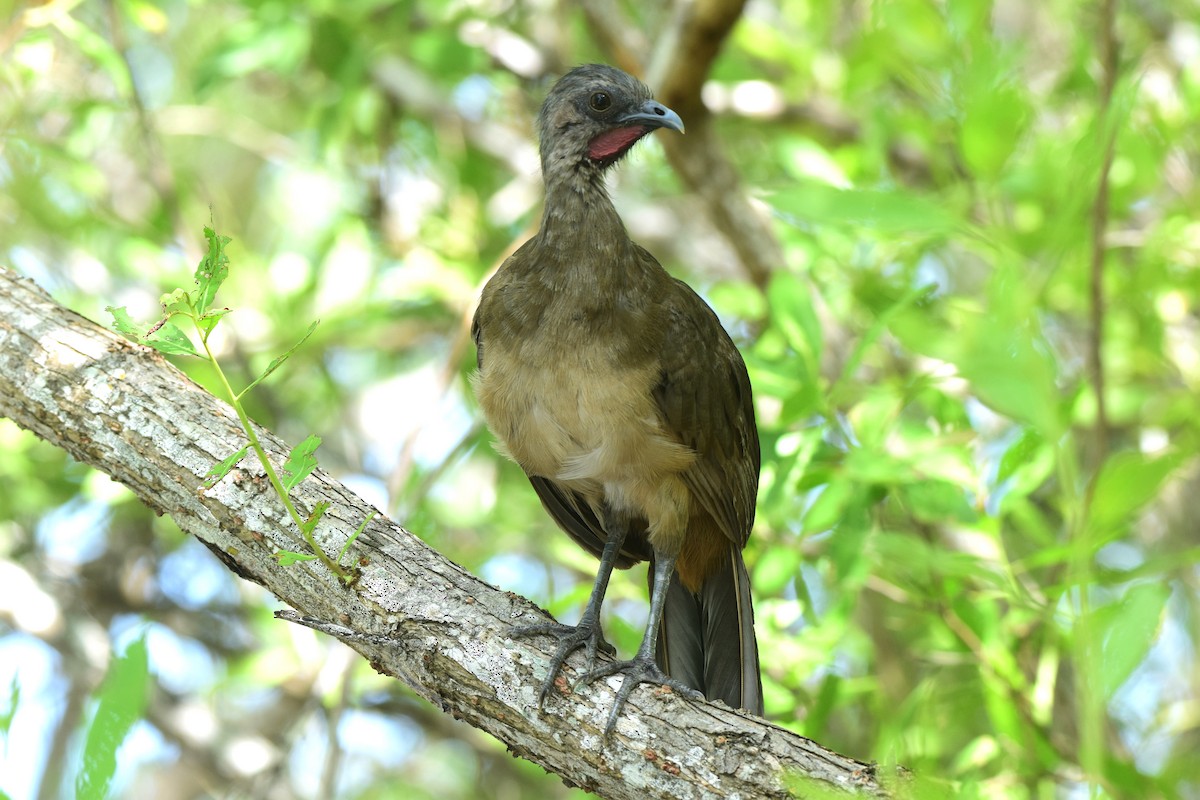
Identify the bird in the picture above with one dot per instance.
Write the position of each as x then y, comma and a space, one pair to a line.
614, 386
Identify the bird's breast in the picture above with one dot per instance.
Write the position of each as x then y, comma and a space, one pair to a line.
574, 413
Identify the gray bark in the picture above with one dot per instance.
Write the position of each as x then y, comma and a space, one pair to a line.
414, 615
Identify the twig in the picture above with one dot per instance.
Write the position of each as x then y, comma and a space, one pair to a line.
333, 717
1108, 65
158, 171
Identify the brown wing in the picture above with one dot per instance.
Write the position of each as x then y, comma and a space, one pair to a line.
477, 335
705, 399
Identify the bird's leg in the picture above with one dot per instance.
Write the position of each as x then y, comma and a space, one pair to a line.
642, 667
587, 633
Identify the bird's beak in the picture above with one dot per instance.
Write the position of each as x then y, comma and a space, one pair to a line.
653, 114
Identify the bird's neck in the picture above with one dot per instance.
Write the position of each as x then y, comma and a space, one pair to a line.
579, 216
583, 244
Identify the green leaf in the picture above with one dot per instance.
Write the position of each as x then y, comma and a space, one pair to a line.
212, 270
167, 338
362, 527
775, 569
318, 511
105, 58
991, 129
792, 312
301, 462
1019, 454
1024, 468
876, 466
848, 544
176, 301
164, 336
937, 501
122, 698
8, 711
994, 115
276, 363
218, 471
1126, 482
1014, 373
209, 319
1127, 628
124, 324
287, 558
1000, 351
868, 339
885, 212
825, 512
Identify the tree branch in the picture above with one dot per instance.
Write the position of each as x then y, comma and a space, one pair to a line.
416, 616
698, 31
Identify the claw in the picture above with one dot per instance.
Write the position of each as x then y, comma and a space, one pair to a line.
570, 638
638, 670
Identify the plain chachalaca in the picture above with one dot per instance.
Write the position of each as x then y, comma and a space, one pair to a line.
614, 386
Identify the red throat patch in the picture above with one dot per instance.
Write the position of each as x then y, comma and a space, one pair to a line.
611, 144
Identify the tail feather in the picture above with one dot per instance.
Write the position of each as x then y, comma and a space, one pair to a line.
707, 641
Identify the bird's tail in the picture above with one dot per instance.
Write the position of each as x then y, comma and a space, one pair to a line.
706, 639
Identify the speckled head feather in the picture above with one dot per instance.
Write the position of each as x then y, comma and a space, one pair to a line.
593, 116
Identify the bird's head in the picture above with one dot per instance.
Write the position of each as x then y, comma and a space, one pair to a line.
594, 115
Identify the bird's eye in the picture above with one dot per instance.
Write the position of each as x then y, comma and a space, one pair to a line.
600, 101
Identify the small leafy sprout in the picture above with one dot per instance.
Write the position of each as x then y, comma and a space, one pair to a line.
301, 462
217, 472
196, 307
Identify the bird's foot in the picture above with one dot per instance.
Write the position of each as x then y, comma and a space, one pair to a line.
640, 669
586, 634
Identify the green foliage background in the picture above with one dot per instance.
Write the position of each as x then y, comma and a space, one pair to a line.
963, 562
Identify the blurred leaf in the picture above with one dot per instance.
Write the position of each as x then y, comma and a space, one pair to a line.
121, 699
868, 465
907, 556
1128, 627
1014, 374
776, 568
994, 115
893, 212
276, 43
147, 16
883, 317
792, 312
1126, 482
989, 133
1018, 456
741, 300
847, 542
827, 509
8, 711
936, 501
97, 48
